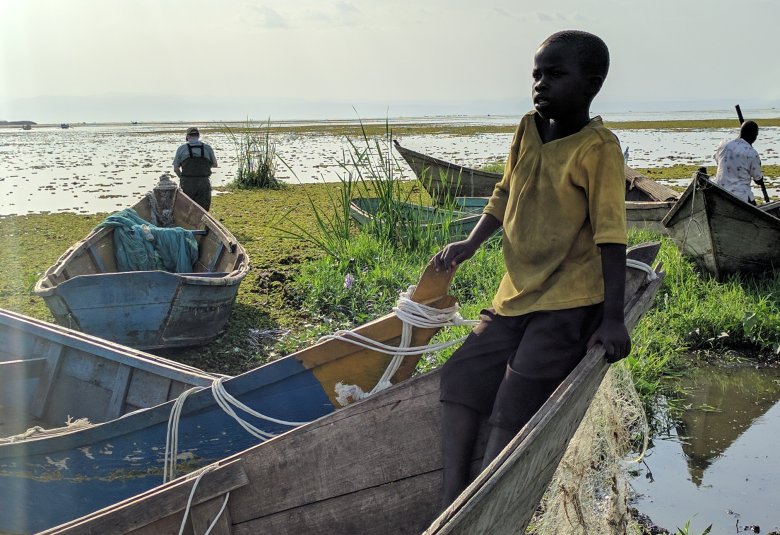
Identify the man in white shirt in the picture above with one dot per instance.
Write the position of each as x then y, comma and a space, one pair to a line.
738, 163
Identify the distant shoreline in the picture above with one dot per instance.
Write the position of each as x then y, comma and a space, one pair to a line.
402, 126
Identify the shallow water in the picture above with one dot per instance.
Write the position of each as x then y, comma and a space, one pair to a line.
102, 168
719, 464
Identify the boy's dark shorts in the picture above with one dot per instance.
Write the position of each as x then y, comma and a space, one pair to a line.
540, 346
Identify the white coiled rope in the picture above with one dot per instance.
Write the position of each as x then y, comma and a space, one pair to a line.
412, 314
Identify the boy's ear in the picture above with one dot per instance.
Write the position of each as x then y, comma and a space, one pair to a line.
594, 84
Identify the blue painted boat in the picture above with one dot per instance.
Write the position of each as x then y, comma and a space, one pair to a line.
447, 224
50, 375
149, 309
48, 481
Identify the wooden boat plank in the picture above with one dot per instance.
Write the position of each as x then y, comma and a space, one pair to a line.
148, 390
133, 514
42, 394
344, 514
100, 266
21, 370
119, 392
203, 515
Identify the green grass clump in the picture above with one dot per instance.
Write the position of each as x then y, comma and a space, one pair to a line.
256, 155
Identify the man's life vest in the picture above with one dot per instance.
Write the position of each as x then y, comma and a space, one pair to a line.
196, 164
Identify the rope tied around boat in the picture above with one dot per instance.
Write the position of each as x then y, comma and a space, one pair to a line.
202, 473
412, 314
226, 402
637, 264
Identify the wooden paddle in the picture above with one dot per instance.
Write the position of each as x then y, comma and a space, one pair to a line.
763, 187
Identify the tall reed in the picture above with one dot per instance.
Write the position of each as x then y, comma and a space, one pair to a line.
256, 155
398, 212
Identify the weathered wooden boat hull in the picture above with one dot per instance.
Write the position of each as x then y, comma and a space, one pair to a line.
446, 180
371, 468
453, 225
49, 481
149, 309
723, 234
49, 374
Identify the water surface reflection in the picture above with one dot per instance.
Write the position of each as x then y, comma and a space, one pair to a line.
719, 464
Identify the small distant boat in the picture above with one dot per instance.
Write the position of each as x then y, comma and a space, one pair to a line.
723, 234
374, 467
453, 225
647, 201
50, 374
64, 125
26, 127
149, 309
51, 480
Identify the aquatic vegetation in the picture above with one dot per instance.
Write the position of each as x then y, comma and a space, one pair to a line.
256, 156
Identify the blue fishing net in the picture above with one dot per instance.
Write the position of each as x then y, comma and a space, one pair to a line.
140, 246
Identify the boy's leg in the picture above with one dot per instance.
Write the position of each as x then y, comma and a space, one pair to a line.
469, 381
517, 401
459, 426
553, 344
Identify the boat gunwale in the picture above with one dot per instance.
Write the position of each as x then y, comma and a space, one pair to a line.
108, 350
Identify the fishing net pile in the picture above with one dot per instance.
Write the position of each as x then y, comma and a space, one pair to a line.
589, 493
141, 246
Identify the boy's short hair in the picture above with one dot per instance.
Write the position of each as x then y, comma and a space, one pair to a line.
592, 52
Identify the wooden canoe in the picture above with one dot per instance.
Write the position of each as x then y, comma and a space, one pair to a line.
647, 201
52, 480
723, 234
149, 309
374, 467
49, 374
447, 224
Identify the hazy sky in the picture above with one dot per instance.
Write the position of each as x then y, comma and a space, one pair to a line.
106, 60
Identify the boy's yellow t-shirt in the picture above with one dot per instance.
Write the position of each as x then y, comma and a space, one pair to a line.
557, 201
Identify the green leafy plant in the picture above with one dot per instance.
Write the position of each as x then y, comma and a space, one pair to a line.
686, 529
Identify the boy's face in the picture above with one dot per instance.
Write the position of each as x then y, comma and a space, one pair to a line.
560, 87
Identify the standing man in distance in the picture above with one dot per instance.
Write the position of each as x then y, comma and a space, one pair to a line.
738, 163
192, 164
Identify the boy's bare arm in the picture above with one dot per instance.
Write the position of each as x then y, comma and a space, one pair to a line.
612, 333
457, 252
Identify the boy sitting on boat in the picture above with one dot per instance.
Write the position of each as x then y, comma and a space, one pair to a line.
561, 206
